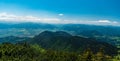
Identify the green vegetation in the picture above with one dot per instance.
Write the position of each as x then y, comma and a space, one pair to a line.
26, 52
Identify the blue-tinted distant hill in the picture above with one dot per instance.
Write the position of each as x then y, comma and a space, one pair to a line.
77, 29
27, 25
13, 39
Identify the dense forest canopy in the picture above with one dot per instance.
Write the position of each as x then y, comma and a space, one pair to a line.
26, 52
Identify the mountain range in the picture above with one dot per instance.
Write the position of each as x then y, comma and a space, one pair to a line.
109, 34
77, 29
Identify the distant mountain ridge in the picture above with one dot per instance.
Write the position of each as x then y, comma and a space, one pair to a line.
102, 33
75, 28
27, 25
13, 39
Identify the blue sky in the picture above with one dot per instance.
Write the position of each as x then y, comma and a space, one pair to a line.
76, 11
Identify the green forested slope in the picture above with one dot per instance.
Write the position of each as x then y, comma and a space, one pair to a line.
62, 41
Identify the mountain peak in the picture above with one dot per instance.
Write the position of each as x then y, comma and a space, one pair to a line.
57, 33
60, 40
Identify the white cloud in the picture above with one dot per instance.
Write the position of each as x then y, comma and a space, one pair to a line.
29, 18
104, 21
108, 22
61, 14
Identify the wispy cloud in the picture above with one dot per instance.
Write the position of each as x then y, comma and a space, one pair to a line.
107, 21
104, 21
29, 18
61, 14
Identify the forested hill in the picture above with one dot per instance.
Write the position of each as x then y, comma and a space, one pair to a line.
62, 41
